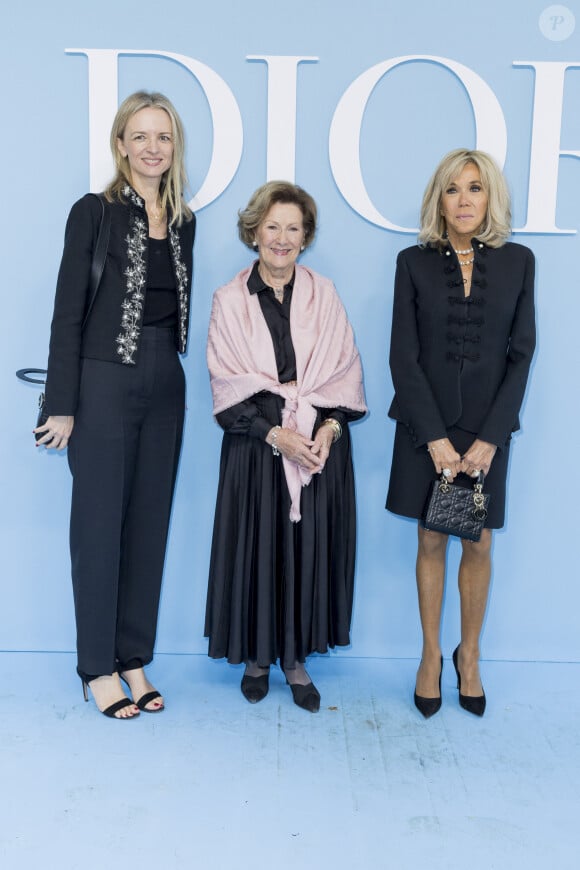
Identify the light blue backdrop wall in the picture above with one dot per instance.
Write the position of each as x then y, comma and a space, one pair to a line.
415, 114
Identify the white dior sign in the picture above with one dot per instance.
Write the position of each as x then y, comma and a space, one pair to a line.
344, 132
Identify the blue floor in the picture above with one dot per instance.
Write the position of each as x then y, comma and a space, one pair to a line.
215, 783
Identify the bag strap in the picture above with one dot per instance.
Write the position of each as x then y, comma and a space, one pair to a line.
477, 481
99, 257
24, 375
97, 266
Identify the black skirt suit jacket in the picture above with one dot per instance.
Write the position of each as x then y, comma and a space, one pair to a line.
113, 330
456, 360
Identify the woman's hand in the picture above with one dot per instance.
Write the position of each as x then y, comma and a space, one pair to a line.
322, 443
478, 458
55, 432
445, 458
296, 448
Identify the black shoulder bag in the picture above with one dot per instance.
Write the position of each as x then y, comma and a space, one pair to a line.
97, 266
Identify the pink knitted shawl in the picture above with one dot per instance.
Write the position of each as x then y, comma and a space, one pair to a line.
241, 359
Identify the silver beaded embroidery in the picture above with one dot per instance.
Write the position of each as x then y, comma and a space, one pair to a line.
181, 278
136, 275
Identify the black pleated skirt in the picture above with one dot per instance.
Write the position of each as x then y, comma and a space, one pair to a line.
413, 472
277, 589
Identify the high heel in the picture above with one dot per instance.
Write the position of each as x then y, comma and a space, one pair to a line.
473, 704
112, 708
255, 689
429, 706
307, 697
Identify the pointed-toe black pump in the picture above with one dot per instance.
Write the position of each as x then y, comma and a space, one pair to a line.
255, 689
473, 704
307, 697
429, 706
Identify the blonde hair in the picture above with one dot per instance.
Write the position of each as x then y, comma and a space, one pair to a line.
174, 181
262, 200
496, 227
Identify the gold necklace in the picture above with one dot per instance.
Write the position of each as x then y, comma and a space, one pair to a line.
156, 217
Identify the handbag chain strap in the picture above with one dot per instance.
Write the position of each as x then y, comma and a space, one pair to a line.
479, 510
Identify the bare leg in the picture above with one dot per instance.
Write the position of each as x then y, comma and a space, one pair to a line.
474, 576
430, 581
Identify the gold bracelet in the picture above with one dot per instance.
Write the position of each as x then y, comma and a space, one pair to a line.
335, 426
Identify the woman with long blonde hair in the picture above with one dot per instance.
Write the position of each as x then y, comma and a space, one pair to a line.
116, 397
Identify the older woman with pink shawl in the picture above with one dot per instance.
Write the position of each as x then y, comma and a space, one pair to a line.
286, 380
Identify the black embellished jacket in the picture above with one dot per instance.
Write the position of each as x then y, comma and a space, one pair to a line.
458, 360
113, 329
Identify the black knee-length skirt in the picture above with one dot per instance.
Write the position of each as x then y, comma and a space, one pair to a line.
413, 472
278, 589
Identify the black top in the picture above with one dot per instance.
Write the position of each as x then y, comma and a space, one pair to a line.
245, 418
160, 298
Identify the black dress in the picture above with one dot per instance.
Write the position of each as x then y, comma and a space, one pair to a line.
278, 589
459, 364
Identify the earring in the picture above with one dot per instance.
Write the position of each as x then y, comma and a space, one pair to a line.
255, 245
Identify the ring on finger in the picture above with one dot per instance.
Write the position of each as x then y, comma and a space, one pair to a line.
446, 472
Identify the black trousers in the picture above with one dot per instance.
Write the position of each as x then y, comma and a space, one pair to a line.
123, 455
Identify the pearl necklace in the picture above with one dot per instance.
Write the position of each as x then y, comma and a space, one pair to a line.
466, 262
465, 251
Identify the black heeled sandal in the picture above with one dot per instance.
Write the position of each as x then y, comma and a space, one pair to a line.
472, 703
112, 708
146, 698
429, 706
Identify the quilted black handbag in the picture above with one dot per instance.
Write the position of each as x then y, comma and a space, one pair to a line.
456, 510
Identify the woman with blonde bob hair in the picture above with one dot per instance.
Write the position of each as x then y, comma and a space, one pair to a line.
286, 381
496, 228
115, 393
462, 341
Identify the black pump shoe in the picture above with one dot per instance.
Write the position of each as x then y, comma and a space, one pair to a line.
429, 706
255, 689
473, 704
307, 697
